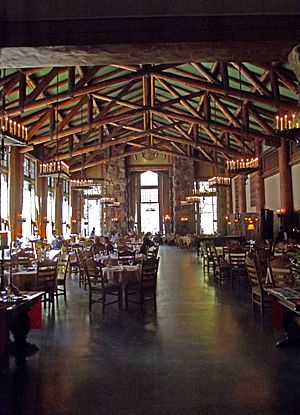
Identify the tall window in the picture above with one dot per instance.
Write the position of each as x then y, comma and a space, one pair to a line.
149, 202
207, 209
29, 212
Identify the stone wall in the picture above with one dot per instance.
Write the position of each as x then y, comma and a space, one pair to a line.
183, 179
116, 172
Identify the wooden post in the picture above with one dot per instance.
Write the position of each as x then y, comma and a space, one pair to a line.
285, 178
16, 179
42, 194
242, 194
221, 210
58, 206
259, 180
229, 200
77, 211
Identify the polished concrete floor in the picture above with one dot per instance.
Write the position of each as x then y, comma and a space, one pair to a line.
202, 353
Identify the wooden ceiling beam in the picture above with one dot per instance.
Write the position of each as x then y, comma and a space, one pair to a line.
204, 123
249, 96
82, 91
80, 128
259, 86
41, 86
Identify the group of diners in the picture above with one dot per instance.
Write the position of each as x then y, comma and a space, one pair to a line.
266, 268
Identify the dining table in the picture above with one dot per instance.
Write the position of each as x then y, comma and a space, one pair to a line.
112, 259
122, 274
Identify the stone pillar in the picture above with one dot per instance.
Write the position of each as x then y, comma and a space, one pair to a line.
221, 210
77, 203
58, 194
116, 172
259, 181
285, 178
183, 179
16, 179
42, 193
242, 194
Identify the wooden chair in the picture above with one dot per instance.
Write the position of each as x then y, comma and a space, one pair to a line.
145, 289
99, 289
46, 280
220, 267
125, 256
207, 258
237, 259
262, 258
281, 272
152, 252
62, 269
81, 257
259, 296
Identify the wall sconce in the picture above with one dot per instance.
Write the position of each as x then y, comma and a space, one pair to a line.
184, 219
229, 223
251, 227
115, 220
281, 212
74, 221
167, 218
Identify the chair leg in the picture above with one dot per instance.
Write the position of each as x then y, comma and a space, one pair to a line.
90, 302
65, 291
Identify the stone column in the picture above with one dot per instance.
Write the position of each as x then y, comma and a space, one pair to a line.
183, 179
58, 194
116, 172
285, 178
229, 200
42, 193
16, 179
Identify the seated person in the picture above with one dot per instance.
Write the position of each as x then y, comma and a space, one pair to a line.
108, 245
147, 243
97, 246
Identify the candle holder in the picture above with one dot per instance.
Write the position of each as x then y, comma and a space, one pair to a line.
243, 166
54, 169
287, 126
219, 181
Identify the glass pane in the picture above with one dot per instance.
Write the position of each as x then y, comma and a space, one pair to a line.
149, 195
150, 217
149, 178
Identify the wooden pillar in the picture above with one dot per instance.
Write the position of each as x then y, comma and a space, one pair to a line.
58, 206
229, 200
77, 211
221, 210
259, 180
285, 179
42, 194
242, 194
16, 179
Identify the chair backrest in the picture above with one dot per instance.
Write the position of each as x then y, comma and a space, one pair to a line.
237, 256
46, 275
82, 256
93, 273
152, 252
252, 272
262, 258
213, 254
125, 256
149, 270
62, 266
281, 272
